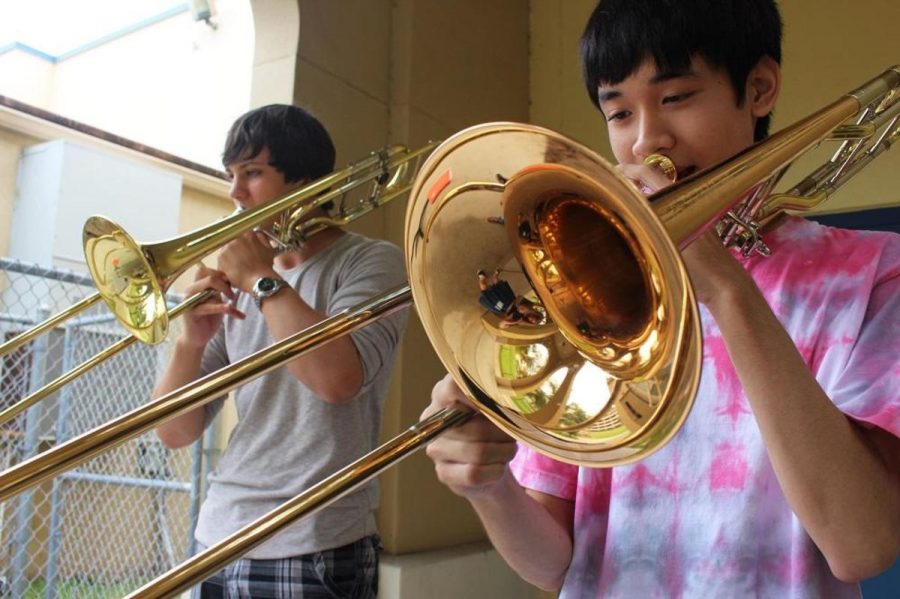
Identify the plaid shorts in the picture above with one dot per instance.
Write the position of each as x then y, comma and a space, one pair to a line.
349, 572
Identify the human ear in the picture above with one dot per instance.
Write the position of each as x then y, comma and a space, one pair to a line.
763, 86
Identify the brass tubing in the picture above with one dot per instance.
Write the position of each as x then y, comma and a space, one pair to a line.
63, 380
689, 207
23, 338
318, 496
112, 434
173, 256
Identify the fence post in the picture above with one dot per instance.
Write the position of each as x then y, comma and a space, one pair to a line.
25, 508
196, 482
54, 542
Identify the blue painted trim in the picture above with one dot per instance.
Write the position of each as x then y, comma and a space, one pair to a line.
175, 10
28, 50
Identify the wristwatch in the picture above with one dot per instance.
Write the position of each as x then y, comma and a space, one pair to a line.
266, 287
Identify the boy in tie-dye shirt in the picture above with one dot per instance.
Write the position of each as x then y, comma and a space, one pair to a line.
785, 478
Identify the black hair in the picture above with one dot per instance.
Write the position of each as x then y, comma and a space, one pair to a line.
729, 34
299, 145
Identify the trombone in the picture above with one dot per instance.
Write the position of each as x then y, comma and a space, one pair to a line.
134, 281
610, 372
137, 298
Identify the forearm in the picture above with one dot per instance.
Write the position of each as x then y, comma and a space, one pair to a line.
334, 370
526, 534
183, 368
835, 481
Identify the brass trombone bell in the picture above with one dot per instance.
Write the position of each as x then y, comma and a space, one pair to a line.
610, 373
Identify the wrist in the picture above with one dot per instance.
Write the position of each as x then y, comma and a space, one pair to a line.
735, 301
251, 278
185, 347
266, 287
723, 286
495, 494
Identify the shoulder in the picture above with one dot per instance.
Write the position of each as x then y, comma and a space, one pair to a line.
360, 250
806, 252
357, 242
364, 264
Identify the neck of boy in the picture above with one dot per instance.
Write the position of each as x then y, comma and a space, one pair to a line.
315, 244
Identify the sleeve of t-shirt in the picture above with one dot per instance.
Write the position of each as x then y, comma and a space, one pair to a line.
535, 471
368, 272
867, 388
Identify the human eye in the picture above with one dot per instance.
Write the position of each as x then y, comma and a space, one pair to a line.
617, 115
674, 98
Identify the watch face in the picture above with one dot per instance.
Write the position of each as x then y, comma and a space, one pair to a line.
266, 284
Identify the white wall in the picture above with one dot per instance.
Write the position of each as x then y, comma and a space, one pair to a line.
175, 85
62, 184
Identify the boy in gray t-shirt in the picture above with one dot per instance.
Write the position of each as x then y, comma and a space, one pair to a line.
297, 424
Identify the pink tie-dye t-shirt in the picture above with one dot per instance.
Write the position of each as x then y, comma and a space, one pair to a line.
705, 516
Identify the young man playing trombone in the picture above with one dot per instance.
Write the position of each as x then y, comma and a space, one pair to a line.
298, 424
785, 478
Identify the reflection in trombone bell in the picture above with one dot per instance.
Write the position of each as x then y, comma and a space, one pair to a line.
498, 297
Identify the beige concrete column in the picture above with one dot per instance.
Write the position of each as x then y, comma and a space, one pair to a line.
454, 65
406, 72
276, 24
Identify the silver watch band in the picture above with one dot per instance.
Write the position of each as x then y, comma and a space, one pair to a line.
266, 287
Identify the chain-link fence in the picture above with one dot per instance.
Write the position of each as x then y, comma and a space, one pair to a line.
121, 518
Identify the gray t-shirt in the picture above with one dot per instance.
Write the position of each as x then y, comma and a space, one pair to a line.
286, 438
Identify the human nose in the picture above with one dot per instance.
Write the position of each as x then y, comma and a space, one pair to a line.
238, 191
653, 137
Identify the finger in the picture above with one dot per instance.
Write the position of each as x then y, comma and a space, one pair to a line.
202, 270
210, 308
468, 476
235, 313
217, 281
446, 394
446, 449
262, 239
477, 428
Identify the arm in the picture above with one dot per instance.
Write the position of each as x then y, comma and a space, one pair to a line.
841, 480
472, 460
518, 520
200, 325
183, 368
837, 476
334, 372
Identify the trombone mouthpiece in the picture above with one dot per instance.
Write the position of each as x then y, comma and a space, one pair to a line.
664, 164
